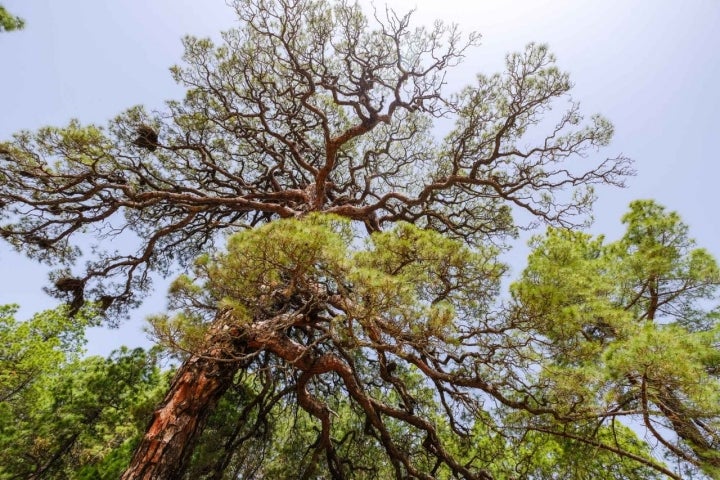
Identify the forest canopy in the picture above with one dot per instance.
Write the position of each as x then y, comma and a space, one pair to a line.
340, 310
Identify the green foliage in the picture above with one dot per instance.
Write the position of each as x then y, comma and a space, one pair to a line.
666, 277
30, 349
553, 457
418, 281
416, 286
286, 254
62, 415
391, 357
654, 353
9, 22
601, 333
629, 327
569, 292
425, 291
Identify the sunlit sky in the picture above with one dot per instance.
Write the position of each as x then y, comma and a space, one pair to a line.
651, 67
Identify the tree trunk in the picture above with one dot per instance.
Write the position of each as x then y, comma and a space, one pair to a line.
178, 422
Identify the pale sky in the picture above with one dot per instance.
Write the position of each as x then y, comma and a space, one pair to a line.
651, 67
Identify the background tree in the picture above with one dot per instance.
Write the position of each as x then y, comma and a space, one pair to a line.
63, 416
9, 22
628, 329
33, 347
306, 107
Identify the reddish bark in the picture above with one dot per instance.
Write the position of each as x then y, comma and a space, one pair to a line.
179, 420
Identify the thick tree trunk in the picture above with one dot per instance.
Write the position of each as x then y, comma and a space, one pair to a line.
177, 423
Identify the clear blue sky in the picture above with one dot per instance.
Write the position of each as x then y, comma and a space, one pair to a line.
651, 67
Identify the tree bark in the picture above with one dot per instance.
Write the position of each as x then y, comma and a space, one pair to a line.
176, 425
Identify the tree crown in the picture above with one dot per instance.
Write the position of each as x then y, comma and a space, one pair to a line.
306, 106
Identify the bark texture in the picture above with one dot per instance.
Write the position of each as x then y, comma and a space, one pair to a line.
178, 422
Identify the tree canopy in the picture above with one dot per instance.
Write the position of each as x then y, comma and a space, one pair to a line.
306, 106
409, 332
353, 325
380, 358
